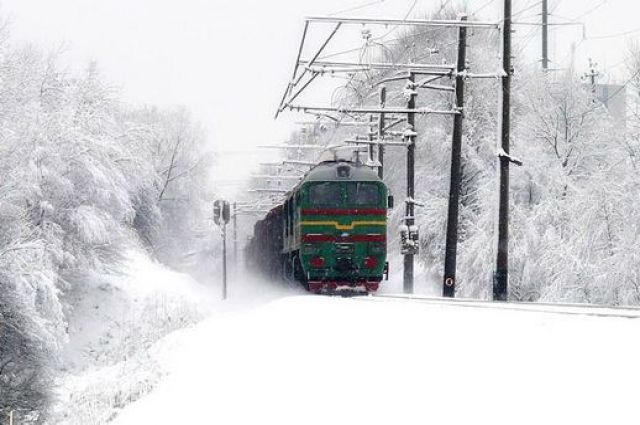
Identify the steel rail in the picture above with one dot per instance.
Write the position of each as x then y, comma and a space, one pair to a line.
551, 308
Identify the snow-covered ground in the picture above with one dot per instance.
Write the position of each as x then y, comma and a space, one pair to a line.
115, 321
302, 359
119, 325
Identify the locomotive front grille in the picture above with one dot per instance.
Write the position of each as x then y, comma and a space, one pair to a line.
344, 248
345, 265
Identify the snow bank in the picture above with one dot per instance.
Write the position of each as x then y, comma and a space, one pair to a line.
116, 320
327, 360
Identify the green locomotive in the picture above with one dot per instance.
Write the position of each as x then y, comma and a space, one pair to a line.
331, 232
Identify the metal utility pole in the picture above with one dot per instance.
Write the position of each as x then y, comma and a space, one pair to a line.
410, 201
545, 35
501, 274
592, 75
235, 233
370, 135
224, 261
449, 280
221, 213
383, 100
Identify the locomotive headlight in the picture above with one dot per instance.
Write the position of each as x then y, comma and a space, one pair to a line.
377, 248
344, 248
310, 249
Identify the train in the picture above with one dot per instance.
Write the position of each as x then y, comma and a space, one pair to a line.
330, 233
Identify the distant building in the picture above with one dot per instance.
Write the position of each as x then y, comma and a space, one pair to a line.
614, 98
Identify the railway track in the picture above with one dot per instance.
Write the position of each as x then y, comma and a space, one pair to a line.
548, 308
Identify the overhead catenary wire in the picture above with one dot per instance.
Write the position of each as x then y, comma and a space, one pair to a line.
622, 87
481, 8
354, 8
615, 35
527, 8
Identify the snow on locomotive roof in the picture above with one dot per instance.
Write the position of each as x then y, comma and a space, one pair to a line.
328, 171
340, 170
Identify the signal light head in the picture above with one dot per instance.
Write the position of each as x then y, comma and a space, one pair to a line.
316, 262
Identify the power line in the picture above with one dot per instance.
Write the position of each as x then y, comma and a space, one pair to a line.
352, 9
481, 8
415, 2
593, 9
535, 4
622, 87
615, 35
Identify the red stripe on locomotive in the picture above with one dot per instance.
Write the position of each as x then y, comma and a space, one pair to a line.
334, 211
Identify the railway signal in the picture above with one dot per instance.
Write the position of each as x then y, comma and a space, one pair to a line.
221, 216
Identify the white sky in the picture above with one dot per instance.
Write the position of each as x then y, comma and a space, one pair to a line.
229, 61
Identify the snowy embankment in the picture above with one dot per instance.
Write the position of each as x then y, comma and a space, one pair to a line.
328, 360
116, 333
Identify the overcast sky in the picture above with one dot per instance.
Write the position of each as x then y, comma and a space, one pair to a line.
229, 60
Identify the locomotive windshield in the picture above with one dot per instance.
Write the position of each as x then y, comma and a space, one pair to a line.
337, 194
363, 194
326, 194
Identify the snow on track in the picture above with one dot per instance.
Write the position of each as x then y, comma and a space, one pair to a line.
330, 360
537, 307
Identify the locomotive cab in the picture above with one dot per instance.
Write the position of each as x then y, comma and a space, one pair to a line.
340, 218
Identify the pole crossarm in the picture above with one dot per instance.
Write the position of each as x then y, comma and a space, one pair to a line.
356, 124
439, 87
393, 124
325, 70
377, 143
253, 212
538, 24
445, 68
266, 176
268, 190
291, 147
298, 162
405, 22
421, 111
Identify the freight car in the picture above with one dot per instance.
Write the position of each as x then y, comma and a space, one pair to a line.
330, 234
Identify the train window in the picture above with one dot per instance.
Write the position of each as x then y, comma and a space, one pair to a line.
343, 172
363, 194
286, 218
327, 194
291, 216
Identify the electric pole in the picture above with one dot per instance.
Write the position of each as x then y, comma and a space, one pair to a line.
592, 75
545, 35
449, 282
221, 215
410, 249
224, 261
383, 100
235, 234
370, 134
501, 274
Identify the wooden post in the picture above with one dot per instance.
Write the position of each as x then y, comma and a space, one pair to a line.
451, 249
410, 202
501, 274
